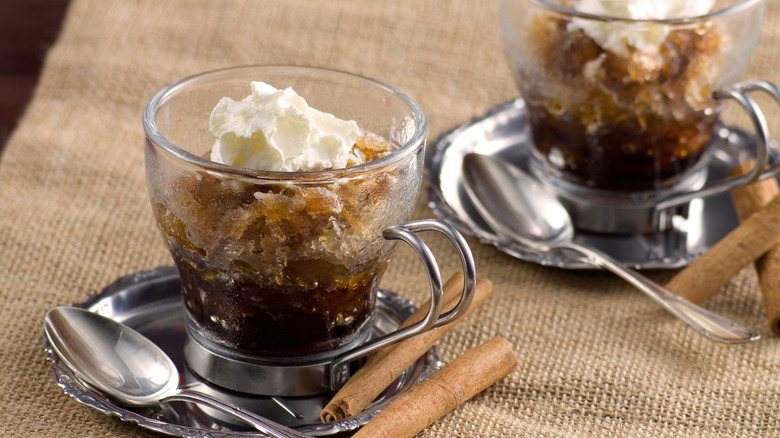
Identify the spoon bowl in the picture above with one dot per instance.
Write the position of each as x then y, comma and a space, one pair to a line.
128, 367
520, 209
526, 212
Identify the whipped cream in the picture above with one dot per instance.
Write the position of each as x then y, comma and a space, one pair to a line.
276, 130
622, 37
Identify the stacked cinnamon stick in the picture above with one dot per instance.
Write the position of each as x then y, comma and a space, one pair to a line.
757, 239
440, 393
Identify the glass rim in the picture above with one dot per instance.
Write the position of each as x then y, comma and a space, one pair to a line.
736, 7
418, 138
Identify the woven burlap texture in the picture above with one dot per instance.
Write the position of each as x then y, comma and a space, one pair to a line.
597, 358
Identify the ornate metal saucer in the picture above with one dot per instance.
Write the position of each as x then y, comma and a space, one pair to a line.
503, 132
150, 302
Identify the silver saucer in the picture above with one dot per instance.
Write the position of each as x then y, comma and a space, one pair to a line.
150, 302
504, 132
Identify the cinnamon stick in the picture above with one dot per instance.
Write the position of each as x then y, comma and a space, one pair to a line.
381, 369
742, 246
443, 391
748, 200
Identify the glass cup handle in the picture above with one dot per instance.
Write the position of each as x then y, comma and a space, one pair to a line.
760, 171
433, 318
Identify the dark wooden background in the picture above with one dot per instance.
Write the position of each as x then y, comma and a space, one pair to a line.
27, 30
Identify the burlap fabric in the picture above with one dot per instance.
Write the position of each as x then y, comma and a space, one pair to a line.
596, 357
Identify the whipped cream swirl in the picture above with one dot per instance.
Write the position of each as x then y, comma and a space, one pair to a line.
623, 37
276, 130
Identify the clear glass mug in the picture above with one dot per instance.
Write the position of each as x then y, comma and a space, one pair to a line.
624, 105
284, 266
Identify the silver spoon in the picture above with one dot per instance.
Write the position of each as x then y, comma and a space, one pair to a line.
520, 209
128, 367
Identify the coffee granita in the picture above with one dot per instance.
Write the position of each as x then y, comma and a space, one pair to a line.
629, 111
274, 268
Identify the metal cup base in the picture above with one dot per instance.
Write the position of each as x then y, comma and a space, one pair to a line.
616, 212
290, 377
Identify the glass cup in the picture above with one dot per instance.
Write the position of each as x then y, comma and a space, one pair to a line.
283, 267
618, 105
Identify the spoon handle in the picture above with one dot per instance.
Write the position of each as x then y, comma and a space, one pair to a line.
262, 424
702, 320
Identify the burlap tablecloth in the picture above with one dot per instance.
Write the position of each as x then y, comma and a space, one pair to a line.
597, 358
